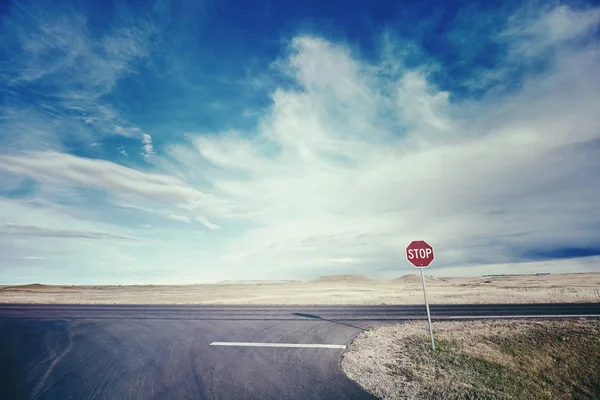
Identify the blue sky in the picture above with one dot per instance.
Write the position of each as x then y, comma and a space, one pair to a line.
197, 141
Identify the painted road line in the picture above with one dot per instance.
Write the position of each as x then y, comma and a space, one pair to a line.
250, 344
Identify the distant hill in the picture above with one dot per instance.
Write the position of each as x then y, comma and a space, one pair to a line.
25, 287
350, 278
255, 282
414, 278
408, 278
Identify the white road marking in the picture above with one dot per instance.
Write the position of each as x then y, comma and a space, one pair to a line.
251, 344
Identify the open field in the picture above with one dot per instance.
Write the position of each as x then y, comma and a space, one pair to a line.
545, 359
339, 289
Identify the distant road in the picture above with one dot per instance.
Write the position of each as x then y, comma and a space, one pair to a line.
202, 352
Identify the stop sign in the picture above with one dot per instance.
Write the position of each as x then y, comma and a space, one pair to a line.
419, 253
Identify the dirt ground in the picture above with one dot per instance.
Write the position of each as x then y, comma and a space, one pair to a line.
339, 289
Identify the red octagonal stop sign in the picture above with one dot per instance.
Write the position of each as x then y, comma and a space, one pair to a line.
419, 253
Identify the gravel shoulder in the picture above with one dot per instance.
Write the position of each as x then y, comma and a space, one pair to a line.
516, 359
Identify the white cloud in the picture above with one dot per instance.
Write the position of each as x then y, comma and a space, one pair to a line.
122, 183
207, 223
342, 260
581, 264
532, 34
180, 218
148, 149
330, 176
29, 230
122, 151
418, 103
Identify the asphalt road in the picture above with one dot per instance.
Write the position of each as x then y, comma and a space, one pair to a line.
165, 352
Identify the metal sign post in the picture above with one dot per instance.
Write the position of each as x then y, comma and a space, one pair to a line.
427, 306
420, 254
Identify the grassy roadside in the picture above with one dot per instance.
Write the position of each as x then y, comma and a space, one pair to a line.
524, 359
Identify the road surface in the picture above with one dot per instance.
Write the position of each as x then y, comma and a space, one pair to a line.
201, 352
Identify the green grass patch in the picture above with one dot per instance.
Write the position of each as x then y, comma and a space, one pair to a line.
487, 359
549, 360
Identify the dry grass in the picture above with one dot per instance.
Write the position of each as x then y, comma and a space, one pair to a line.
351, 289
546, 359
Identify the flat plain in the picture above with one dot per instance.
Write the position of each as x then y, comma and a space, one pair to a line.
334, 289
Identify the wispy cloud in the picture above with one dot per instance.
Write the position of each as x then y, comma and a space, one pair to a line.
532, 32
180, 218
28, 230
122, 183
207, 223
59, 45
54, 55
